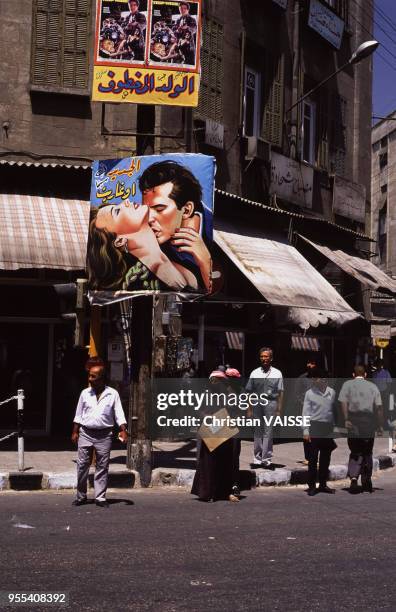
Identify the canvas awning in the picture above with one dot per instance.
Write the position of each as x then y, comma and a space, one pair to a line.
304, 343
361, 269
284, 277
43, 232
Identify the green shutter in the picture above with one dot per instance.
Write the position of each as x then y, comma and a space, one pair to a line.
60, 43
273, 99
322, 128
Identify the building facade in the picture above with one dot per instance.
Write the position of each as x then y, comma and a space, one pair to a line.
291, 169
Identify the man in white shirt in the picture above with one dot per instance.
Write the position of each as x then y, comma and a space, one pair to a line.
269, 381
362, 409
98, 410
318, 437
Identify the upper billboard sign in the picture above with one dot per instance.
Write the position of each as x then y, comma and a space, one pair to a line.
326, 23
147, 52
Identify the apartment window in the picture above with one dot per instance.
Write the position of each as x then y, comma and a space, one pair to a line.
263, 95
252, 102
384, 142
383, 160
308, 135
382, 233
340, 7
60, 44
211, 88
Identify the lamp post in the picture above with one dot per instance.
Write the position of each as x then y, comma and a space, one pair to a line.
364, 50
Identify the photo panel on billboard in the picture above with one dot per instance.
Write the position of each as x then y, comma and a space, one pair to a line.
173, 34
122, 31
151, 225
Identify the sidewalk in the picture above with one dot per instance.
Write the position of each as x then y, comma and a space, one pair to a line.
51, 464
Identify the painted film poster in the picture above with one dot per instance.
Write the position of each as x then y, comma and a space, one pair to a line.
151, 226
147, 51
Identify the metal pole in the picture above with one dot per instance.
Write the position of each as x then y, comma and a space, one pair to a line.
21, 445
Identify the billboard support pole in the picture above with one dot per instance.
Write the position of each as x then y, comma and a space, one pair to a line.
139, 440
94, 331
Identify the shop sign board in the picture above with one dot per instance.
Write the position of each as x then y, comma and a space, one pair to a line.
290, 180
326, 23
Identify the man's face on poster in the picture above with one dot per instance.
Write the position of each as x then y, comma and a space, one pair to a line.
164, 216
183, 9
133, 7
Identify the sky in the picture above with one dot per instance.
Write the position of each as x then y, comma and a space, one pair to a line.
384, 70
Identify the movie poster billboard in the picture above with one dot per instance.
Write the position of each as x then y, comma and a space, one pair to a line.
151, 226
147, 52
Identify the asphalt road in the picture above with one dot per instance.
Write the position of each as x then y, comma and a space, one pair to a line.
163, 550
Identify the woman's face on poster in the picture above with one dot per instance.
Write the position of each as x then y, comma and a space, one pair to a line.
122, 219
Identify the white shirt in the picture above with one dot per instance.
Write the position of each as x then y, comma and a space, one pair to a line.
99, 414
270, 382
360, 394
319, 406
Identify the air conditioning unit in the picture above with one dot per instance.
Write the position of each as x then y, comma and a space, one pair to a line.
257, 148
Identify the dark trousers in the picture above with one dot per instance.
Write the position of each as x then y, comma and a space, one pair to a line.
318, 447
361, 458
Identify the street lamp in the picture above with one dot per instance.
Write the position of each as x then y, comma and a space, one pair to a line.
364, 50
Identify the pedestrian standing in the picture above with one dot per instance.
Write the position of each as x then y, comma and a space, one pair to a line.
215, 474
318, 437
265, 380
98, 410
303, 384
383, 380
362, 409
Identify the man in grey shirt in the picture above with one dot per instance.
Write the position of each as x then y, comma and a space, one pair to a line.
318, 437
362, 408
269, 381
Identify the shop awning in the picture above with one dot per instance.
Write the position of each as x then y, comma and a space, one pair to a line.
284, 277
38, 232
361, 269
304, 343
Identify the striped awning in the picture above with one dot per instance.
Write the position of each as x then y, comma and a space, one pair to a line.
38, 232
235, 340
304, 343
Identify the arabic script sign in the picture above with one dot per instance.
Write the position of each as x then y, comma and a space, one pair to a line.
147, 52
291, 181
326, 23
381, 331
349, 199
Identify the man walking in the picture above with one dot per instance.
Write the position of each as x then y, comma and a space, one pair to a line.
269, 381
318, 441
98, 409
362, 409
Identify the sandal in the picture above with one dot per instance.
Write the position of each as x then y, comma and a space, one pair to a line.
233, 498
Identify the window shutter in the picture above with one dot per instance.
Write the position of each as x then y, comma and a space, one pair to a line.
322, 125
338, 135
60, 43
273, 99
210, 96
47, 42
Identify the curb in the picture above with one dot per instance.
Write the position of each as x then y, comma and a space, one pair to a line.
168, 477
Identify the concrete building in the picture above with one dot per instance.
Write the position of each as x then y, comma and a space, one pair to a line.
383, 216
287, 173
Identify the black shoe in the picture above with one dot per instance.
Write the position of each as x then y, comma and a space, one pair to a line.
326, 489
354, 487
236, 491
368, 486
311, 491
79, 502
102, 504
